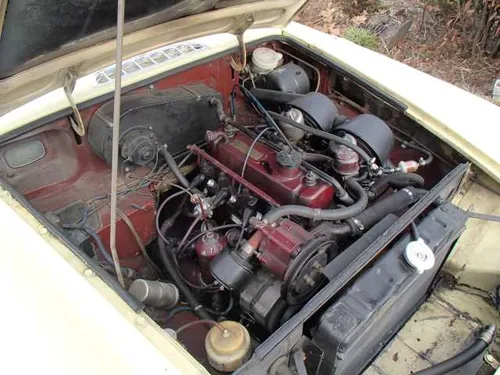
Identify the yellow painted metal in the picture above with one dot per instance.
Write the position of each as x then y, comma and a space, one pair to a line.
59, 317
97, 51
86, 89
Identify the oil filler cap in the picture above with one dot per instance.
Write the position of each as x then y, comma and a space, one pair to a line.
419, 255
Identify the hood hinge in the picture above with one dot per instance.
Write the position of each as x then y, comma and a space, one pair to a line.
245, 22
75, 120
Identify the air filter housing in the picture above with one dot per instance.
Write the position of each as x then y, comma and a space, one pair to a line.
374, 134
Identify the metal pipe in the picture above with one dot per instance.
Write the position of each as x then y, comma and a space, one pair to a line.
120, 20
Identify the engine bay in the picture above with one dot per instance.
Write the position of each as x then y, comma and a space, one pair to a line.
241, 191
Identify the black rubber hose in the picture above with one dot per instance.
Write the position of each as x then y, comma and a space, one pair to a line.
397, 180
340, 192
340, 230
174, 167
327, 214
266, 114
280, 97
322, 134
312, 157
169, 222
226, 311
176, 278
465, 356
100, 246
373, 214
392, 204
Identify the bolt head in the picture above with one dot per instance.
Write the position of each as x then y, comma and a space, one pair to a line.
88, 272
140, 321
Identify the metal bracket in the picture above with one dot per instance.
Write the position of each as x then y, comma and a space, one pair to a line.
492, 361
245, 22
298, 359
75, 120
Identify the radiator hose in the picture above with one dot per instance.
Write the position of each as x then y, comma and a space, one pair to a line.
465, 356
327, 214
372, 215
392, 204
397, 180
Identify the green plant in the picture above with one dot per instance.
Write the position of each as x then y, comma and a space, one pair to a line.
363, 37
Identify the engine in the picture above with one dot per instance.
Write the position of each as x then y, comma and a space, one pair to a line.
278, 194
234, 205
279, 266
270, 204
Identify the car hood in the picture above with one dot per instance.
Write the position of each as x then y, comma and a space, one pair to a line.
41, 41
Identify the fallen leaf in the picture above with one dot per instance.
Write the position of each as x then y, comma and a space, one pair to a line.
359, 20
335, 30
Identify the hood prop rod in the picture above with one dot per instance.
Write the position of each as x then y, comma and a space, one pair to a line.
245, 22
116, 137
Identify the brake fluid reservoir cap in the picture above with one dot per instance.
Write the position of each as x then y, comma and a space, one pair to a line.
265, 60
227, 345
419, 255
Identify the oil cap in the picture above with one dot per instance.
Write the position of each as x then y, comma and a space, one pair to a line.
419, 255
288, 158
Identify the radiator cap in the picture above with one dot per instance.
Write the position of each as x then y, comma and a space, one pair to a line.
419, 255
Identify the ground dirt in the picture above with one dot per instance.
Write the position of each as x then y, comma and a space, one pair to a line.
435, 43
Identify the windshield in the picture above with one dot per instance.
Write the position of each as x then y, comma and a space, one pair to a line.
35, 29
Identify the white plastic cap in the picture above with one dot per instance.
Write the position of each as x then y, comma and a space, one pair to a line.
265, 60
420, 256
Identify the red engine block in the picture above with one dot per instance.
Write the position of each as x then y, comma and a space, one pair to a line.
285, 185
